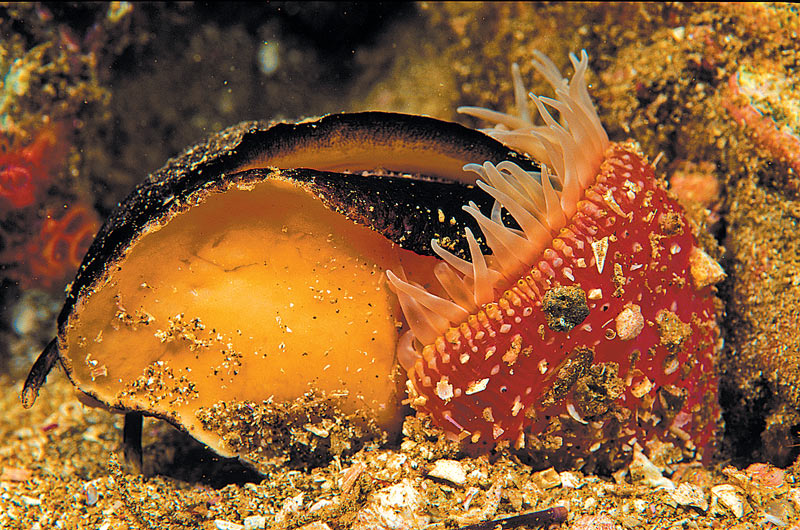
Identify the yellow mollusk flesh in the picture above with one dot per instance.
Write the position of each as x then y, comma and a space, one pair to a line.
260, 293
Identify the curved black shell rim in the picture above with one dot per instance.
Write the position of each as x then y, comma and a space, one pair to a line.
212, 161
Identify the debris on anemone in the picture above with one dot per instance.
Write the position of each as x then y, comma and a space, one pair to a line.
590, 330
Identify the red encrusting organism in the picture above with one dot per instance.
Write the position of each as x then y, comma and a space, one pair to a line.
58, 249
41, 251
590, 331
27, 172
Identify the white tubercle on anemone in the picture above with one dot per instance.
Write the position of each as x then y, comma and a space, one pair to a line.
541, 203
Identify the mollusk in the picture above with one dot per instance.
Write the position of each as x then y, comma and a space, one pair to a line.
239, 292
590, 331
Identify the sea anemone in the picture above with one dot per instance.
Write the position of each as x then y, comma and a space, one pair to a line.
591, 322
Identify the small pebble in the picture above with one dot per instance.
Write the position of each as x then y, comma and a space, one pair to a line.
449, 470
255, 522
779, 513
396, 462
630, 323
690, 495
91, 494
794, 494
316, 525
726, 497
766, 475
546, 479
642, 470
15, 474
221, 524
319, 505
30, 501
350, 475
569, 480
114, 508
704, 269
398, 506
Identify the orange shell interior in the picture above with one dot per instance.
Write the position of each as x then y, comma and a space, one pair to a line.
258, 292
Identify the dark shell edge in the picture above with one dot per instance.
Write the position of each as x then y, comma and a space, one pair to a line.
207, 165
